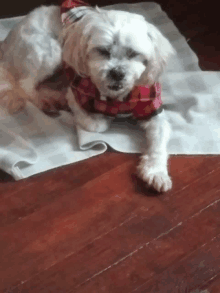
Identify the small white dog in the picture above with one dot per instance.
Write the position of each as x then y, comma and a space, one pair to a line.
118, 51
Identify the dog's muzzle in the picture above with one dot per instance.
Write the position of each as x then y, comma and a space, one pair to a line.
116, 75
115, 87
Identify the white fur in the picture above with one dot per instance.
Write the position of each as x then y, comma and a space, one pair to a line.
31, 52
100, 42
118, 31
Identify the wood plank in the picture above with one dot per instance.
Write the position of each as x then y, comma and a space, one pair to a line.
21, 199
156, 260
149, 218
37, 241
198, 267
212, 285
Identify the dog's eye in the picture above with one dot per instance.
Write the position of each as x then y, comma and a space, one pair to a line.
132, 54
104, 52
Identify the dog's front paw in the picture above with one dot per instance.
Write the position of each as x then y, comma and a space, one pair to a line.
96, 123
154, 176
160, 181
102, 122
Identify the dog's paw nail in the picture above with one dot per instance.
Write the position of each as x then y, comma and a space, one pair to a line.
160, 181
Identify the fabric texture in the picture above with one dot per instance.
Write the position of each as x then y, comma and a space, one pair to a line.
141, 103
32, 142
68, 5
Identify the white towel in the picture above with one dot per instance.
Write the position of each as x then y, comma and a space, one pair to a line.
32, 142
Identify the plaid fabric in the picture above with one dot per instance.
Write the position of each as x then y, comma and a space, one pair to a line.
68, 12
142, 102
69, 4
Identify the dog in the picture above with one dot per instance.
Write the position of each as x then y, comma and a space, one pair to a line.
118, 55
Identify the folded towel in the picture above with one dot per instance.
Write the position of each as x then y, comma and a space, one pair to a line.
32, 142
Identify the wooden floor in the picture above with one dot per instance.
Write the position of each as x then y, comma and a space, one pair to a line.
91, 227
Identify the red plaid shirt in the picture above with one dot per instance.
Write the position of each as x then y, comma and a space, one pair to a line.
142, 102
68, 5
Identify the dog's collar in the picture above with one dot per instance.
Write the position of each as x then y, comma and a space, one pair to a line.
68, 12
142, 102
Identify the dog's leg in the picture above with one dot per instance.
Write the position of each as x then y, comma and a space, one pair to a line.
153, 165
40, 67
89, 122
32, 51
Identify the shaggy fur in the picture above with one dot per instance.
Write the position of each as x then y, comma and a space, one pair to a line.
117, 50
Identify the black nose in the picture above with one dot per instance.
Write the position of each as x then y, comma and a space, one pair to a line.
116, 74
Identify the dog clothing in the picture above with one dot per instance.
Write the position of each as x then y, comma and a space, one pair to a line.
68, 15
142, 102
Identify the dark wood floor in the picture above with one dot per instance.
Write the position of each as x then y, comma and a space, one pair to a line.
92, 227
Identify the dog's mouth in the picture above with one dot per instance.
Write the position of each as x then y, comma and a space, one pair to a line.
115, 87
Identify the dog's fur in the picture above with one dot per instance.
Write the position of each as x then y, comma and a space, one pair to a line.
97, 44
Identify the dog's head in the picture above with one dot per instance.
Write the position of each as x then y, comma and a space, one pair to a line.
117, 50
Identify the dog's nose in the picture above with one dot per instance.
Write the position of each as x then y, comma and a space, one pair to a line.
116, 74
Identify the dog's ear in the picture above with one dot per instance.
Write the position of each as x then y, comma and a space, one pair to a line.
163, 50
75, 38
